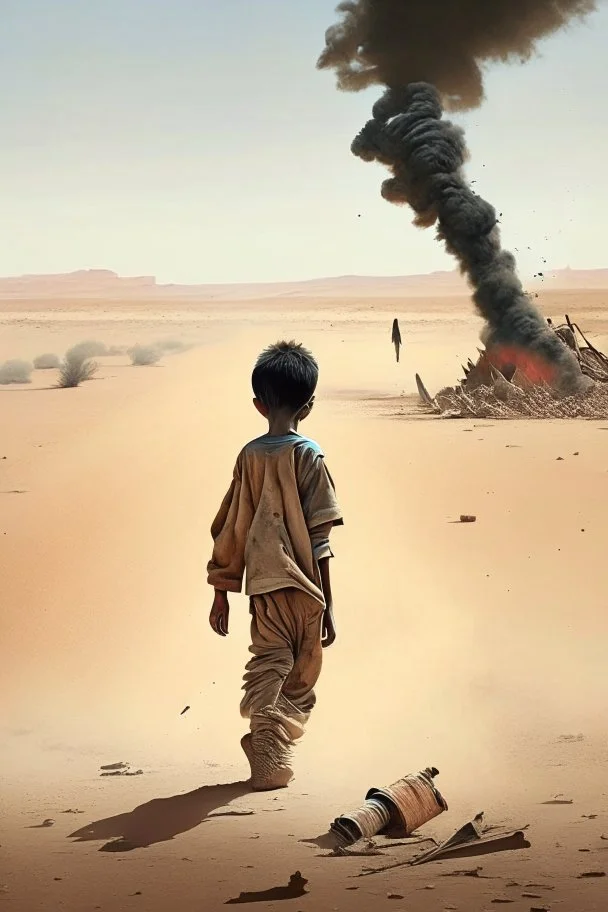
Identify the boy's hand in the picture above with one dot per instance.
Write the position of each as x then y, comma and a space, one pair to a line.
328, 628
220, 611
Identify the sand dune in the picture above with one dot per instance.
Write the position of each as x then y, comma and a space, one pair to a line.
475, 648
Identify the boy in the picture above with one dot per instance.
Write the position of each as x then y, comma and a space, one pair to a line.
274, 524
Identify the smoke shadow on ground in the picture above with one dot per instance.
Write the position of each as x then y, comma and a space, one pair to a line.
160, 819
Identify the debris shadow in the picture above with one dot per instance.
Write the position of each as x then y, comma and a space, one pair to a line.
293, 890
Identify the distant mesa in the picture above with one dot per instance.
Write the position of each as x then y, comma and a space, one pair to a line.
105, 284
89, 282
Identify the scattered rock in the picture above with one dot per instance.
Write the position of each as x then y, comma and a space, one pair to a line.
560, 459
184, 710
591, 874
467, 518
589, 816
122, 769
559, 801
501, 900
394, 896
114, 766
72, 811
531, 896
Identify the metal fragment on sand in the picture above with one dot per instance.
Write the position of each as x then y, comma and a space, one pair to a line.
408, 803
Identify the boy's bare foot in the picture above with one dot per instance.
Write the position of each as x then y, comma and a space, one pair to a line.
278, 780
268, 771
248, 749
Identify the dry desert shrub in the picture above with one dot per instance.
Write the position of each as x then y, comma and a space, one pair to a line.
75, 371
15, 371
47, 362
90, 348
144, 355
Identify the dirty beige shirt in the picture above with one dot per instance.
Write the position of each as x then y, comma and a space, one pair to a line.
274, 522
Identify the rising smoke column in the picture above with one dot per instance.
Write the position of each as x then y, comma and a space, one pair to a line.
428, 54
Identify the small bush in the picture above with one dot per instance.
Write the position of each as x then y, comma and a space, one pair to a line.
46, 362
85, 350
74, 371
144, 355
15, 371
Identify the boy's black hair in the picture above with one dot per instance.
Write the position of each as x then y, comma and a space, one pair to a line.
285, 376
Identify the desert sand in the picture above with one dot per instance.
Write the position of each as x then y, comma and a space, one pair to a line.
477, 648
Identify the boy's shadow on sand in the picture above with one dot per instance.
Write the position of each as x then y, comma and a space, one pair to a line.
160, 819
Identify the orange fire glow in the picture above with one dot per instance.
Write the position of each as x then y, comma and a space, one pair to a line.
535, 368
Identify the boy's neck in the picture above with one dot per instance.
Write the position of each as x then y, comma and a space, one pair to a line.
281, 423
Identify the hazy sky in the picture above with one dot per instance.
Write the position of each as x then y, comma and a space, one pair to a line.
195, 140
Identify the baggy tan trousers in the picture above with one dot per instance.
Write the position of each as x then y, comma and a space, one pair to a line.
280, 677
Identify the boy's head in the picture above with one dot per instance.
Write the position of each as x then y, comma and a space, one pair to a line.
285, 379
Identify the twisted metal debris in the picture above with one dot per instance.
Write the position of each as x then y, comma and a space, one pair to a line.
486, 392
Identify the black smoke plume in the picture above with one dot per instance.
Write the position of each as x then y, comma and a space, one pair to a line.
444, 42
428, 54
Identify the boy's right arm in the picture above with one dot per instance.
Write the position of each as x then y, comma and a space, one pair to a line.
220, 613
226, 567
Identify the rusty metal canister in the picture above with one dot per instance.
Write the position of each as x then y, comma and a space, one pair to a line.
409, 803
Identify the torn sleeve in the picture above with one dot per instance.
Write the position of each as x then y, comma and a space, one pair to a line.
317, 491
319, 539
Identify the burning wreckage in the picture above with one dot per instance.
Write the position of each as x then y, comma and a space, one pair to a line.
428, 57
509, 391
